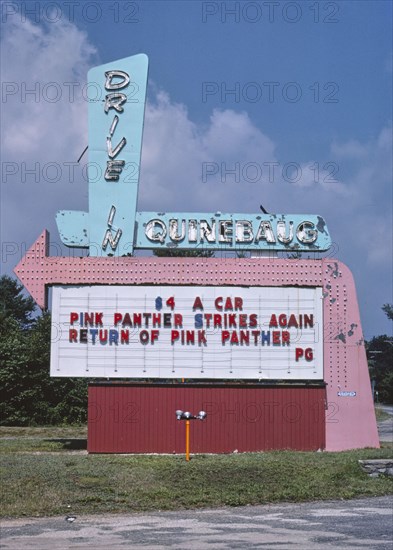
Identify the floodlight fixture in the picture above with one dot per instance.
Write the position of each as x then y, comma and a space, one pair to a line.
187, 416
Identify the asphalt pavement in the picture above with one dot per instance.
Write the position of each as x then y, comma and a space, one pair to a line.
385, 428
365, 523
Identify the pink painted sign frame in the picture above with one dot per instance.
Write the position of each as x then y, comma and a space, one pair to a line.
350, 416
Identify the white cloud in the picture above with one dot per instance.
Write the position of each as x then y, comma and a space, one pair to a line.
371, 176
351, 149
232, 135
324, 177
370, 181
44, 124
188, 167
43, 77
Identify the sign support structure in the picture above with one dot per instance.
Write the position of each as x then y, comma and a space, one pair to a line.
113, 229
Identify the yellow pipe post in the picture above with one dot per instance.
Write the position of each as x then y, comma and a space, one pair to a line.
187, 440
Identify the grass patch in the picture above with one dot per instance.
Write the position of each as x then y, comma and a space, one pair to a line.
59, 482
34, 445
381, 415
42, 439
8, 446
71, 432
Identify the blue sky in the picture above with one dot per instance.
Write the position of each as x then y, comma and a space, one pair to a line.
311, 89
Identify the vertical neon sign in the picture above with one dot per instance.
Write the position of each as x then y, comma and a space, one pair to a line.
116, 115
115, 142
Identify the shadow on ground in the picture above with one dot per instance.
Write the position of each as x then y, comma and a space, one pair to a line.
69, 444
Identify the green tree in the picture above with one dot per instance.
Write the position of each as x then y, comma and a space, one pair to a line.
29, 395
380, 360
13, 360
14, 304
388, 309
56, 400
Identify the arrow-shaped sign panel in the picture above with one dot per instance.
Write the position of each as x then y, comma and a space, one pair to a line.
37, 271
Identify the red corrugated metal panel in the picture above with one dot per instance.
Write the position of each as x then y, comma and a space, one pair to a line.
141, 418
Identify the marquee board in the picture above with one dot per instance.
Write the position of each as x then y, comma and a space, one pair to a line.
187, 332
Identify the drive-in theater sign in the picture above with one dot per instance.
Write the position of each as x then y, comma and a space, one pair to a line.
270, 348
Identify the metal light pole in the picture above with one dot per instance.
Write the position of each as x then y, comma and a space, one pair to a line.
187, 416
